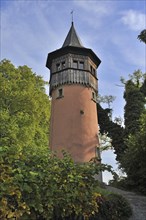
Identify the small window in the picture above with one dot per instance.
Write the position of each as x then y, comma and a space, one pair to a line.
94, 98
93, 95
91, 68
81, 65
75, 64
63, 65
60, 93
58, 66
98, 154
93, 71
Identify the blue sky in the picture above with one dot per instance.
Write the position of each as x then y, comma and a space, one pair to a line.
30, 29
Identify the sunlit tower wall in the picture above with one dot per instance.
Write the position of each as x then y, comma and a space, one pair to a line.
74, 89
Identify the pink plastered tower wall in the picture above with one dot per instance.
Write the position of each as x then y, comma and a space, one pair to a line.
74, 90
74, 123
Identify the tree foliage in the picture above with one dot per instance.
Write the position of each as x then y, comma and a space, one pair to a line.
134, 106
134, 95
142, 36
25, 112
113, 207
113, 129
108, 99
133, 161
45, 187
25, 108
129, 141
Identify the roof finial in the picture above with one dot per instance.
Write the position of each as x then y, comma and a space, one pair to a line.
72, 16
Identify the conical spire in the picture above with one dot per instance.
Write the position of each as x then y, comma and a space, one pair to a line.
72, 38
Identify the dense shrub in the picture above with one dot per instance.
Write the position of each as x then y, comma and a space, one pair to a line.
112, 207
43, 187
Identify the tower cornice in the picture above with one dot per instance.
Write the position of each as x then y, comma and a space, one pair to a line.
74, 50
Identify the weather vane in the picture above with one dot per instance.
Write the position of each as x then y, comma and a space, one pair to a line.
72, 15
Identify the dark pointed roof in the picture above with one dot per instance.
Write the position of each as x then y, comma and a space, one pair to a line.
72, 44
72, 38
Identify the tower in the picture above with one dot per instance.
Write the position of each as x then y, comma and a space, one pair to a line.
73, 88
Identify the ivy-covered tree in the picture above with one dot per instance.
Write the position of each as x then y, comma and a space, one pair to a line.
135, 90
131, 156
143, 87
133, 161
135, 101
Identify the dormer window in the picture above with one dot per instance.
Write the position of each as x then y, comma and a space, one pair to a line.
58, 66
75, 64
81, 65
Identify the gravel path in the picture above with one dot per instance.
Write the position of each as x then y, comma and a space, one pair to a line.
138, 203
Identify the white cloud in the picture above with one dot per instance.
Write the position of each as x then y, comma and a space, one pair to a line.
134, 20
130, 49
96, 7
94, 13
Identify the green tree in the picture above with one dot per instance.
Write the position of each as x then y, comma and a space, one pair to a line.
135, 92
133, 161
25, 112
108, 99
143, 87
114, 130
135, 101
25, 107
